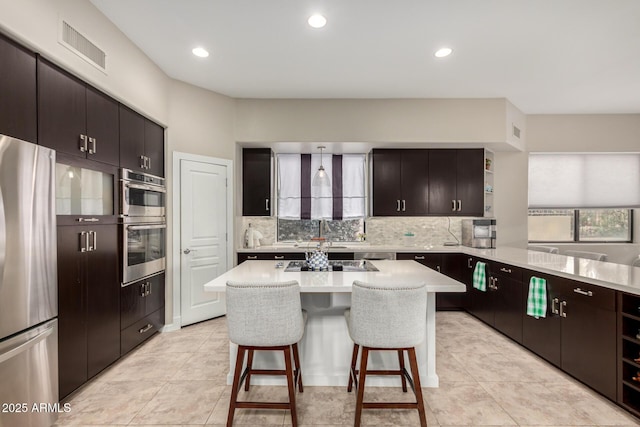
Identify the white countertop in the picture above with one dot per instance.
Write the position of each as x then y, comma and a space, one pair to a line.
391, 272
610, 275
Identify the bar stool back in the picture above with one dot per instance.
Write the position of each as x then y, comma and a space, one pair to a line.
265, 316
387, 317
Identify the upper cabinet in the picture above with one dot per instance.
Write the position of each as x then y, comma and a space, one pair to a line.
74, 118
141, 143
456, 182
256, 182
18, 113
400, 182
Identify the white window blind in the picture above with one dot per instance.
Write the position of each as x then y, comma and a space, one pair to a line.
584, 180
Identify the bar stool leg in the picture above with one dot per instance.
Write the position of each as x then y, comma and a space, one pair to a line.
352, 370
235, 386
249, 367
290, 384
401, 360
297, 373
363, 376
418, 388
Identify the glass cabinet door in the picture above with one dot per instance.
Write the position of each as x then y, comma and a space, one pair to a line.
81, 191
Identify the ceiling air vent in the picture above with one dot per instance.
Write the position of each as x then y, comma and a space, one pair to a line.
516, 131
83, 47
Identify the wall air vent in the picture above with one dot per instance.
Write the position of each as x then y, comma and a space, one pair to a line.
516, 131
83, 47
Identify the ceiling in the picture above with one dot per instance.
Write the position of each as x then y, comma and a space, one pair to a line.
545, 56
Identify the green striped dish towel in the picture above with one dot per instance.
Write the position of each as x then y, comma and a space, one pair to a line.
480, 277
537, 299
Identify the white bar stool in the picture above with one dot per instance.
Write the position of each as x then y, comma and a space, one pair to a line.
389, 318
265, 316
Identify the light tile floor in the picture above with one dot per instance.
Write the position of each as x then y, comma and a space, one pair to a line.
178, 379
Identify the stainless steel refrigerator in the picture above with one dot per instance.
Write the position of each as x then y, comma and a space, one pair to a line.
28, 285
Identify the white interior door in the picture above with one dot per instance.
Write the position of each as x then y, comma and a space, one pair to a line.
203, 241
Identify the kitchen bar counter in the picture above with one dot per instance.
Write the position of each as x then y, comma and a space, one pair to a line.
606, 274
326, 347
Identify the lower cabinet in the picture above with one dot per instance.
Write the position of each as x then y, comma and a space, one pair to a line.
275, 256
141, 311
629, 352
448, 264
508, 294
578, 333
88, 303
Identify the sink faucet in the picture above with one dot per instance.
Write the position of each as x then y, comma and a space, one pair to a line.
323, 228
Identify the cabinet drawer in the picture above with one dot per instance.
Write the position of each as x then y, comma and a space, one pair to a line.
506, 270
595, 296
274, 256
141, 331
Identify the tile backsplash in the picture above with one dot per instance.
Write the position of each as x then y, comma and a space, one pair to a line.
427, 231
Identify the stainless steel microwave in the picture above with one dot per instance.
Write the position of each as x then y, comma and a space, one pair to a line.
141, 195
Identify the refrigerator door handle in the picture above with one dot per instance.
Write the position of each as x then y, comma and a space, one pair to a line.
6, 355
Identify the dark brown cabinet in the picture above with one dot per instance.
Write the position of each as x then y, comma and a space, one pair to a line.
274, 256
141, 143
448, 264
256, 182
456, 182
88, 302
74, 118
629, 352
141, 311
18, 102
400, 182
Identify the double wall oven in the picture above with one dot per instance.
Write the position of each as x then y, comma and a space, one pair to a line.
143, 225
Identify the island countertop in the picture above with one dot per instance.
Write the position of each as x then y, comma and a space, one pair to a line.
390, 272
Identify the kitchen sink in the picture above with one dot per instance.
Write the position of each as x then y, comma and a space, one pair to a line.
334, 265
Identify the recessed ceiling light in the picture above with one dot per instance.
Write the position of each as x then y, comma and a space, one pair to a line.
317, 21
445, 51
201, 52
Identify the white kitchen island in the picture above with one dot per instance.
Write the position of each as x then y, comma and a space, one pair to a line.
326, 347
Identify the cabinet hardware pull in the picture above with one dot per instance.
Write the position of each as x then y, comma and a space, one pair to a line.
83, 143
459, 205
417, 257
495, 283
148, 162
83, 241
145, 329
88, 220
453, 204
252, 256
142, 162
469, 262
93, 146
266, 205
404, 205
438, 268
147, 287
554, 308
582, 292
563, 304
398, 208
143, 290
505, 270
278, 257
93, 239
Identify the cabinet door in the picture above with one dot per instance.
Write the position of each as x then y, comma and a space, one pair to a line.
482, 302
155, 298
62, 110
430, 259
442, 182
103, 127
451, 266
154, 147
508, 305
589, 337
415, 182
18, 111
103, 285
256, 182
131, 139
72, 310
542, 335
387, 182
470, 182
132, 303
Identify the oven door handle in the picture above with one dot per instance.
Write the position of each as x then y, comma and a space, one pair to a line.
146, 227
145, 187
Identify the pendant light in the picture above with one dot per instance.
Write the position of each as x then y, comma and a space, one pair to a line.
321, 178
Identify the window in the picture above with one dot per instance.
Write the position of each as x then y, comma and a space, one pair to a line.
336, 212
580, 225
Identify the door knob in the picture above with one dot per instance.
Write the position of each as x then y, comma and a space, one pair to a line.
187, 251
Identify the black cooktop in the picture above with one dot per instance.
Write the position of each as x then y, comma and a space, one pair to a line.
334, 265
